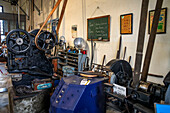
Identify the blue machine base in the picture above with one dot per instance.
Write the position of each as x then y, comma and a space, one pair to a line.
71, 97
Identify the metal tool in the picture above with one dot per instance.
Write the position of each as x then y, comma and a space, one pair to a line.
118, 51
124, 53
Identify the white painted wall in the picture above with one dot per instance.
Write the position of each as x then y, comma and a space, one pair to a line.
77, 12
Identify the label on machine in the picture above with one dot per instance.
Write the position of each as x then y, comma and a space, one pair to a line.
119, 89
85, 82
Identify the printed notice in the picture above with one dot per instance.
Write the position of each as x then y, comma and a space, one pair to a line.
119, 89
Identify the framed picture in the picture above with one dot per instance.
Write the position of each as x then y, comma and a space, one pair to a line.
74, 31
162, 21
126, 23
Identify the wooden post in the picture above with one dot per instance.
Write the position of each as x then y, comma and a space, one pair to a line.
61, 16
141, 37
32, 14
151, 40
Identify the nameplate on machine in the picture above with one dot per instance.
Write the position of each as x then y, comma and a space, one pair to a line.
120, 90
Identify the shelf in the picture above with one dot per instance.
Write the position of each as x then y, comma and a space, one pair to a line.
72, 57
62, 57
73, 54
72, 64
62, 63
62, 54
72, 60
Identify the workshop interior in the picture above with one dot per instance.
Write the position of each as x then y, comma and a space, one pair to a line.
84, 56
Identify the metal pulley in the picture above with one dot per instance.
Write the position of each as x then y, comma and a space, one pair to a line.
45, 41
121, 69
18, 41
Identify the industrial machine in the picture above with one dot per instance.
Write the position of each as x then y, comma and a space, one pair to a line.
76, 94
128, 98
25, 54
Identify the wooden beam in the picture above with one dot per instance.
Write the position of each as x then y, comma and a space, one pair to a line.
141, 37
61, 16
151, 40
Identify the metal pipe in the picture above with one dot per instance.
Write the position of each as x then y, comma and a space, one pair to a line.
151, 40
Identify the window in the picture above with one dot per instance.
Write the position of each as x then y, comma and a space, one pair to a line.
1, 9
2, 24
1, 21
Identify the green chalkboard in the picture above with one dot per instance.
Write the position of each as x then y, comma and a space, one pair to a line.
98, 28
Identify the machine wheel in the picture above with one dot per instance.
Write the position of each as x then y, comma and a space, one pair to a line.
45, 41
18, 41
121, 69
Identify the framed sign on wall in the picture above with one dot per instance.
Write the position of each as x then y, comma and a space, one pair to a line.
126, 23
98, 28
162, 21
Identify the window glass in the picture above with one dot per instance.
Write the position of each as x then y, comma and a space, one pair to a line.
12, 25
1, 27
22, 25
1, 9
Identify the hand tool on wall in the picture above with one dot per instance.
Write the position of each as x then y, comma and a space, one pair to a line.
92, 52
124, 53
118, 51
103, 62
129, 59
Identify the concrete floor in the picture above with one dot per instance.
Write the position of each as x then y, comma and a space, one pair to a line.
3, 70
111, 110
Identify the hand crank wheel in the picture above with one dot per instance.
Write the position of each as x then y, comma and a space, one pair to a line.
18, 41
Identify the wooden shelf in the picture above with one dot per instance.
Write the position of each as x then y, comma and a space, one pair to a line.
62, 57
73, 64
62, 63
70, 59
